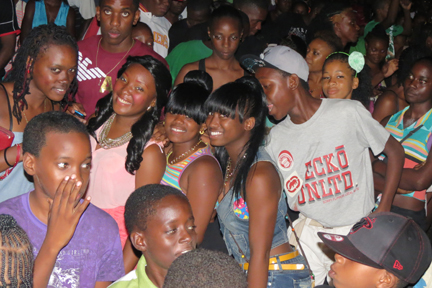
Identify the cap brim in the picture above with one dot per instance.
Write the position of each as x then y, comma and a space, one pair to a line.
252, 62
344, 247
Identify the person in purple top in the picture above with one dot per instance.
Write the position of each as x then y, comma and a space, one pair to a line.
75, 243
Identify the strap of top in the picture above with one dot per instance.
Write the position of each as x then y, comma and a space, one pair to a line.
201, 65
9, 108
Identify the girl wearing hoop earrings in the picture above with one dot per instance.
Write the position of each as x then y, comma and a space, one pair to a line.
43, 78
191, 166
122, 130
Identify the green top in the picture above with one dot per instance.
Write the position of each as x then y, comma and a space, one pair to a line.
392, 31
185, 53
136, 278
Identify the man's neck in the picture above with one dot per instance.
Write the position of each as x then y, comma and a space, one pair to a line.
305, 107
39, 205
171, 17
124, 46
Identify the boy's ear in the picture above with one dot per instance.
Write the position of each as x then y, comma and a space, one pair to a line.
387, 280
208, 32
136, 17
138, 241
98, 13
293, 81
29, 162
249, 124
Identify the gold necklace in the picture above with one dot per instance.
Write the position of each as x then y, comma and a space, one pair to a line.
108, 143
228, 172
185, 153
107, 83
25, 117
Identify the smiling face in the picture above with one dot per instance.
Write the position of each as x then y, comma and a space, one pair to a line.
338, 80
345, 26
350, 274
170, 232
181, 129
116, 20
225, 131
317, 52
418, 85
276, 88
225, 35
134, 92
54, 70
376, 50
64, 154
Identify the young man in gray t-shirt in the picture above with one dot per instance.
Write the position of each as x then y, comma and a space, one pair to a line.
322, 150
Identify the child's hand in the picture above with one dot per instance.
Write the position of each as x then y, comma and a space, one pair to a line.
65, 212
390, 67
405, 4
159, 134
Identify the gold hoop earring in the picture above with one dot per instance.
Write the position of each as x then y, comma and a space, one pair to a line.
201, 132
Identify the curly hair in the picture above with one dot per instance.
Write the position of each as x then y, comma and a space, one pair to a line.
16, 253
142, 130
36, 43
408, 57
364, 91
245, 97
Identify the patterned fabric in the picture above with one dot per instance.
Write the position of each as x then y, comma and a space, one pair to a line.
415, 146
240, 208
174, 172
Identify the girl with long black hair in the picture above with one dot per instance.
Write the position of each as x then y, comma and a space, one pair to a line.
252, 207
122, 130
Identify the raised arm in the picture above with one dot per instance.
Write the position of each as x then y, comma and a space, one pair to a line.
64, 215
262, 198
392, 14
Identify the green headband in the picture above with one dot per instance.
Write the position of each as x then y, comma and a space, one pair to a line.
355, 60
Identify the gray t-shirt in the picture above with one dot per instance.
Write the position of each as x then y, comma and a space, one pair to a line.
325, 161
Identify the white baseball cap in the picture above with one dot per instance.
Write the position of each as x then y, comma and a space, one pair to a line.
278, 57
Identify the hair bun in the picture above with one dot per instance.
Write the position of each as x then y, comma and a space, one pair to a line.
200, 78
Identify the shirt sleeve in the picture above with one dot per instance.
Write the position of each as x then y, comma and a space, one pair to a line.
371, 131
111, 266
8, 19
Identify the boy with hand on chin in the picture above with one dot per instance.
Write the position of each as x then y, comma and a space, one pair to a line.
322, 150
75, 243
161, 226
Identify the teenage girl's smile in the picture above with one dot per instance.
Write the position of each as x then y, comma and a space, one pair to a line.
181, 128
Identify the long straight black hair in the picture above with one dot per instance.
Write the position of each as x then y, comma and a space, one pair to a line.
246, 98
142, 130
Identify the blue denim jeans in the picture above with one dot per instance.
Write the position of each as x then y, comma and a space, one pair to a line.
290, 278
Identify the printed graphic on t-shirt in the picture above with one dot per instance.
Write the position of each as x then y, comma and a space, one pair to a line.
327, 178
160, 39
86, 73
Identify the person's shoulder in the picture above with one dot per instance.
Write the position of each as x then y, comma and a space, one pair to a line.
179, 26
15, 207
341, 104
96, 217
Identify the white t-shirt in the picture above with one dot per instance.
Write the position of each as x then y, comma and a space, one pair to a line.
325, 161
160, 27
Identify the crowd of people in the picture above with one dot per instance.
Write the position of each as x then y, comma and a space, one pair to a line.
201, 143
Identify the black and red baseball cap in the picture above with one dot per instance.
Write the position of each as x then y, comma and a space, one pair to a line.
385, 241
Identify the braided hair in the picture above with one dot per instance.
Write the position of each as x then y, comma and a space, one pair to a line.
16, 254
21, 73
142, 130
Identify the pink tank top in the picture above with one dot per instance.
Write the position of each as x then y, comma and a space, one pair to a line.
110, 184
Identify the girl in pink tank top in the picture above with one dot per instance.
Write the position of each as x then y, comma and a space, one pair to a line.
123, 155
